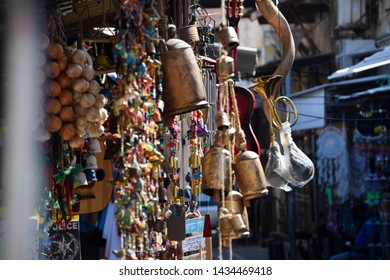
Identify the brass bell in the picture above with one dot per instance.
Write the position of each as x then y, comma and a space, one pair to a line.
238, 223
188, 34
215, 175
195, 160
162, 194
225, 67
184, 90
250, 175
227, 35
173, 162
236, 214
222, 120
224, 221
233, 202
150, 47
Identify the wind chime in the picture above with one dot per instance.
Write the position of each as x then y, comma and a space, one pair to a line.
137, 120
228, 160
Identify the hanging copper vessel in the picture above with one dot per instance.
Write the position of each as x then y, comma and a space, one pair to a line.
182, 81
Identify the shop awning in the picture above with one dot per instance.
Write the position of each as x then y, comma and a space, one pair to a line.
378, 59
365, 92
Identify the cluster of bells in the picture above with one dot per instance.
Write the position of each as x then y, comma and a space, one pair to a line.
219, 169
88, 175
184, 92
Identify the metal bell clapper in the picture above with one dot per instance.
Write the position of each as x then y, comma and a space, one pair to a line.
184, 90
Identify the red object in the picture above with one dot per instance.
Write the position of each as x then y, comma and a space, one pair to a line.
207, 226
245, 98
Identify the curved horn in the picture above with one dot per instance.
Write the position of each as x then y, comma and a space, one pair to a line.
276, 19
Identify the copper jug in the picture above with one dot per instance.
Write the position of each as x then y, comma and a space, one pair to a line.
182, 81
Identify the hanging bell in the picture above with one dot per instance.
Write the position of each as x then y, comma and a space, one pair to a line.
222, 120
224, 67
173, 162
238, 223
238, 219
184, 90
195, 160
102, 60
250, 175
224, 221
228, 37
91, 162
188, 34
94, 146
215, 175
162, 194
196, 189
150, 47
233, 202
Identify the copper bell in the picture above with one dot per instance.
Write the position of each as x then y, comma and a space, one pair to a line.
225, 67
188, 34
224, 222
236, 215
182, 81
250, 175
227, 35
215, 171
222, 120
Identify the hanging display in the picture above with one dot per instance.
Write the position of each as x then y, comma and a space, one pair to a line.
130, 131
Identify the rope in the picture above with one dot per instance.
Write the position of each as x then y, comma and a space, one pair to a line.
240, 140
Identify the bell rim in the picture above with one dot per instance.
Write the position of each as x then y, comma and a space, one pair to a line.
199, 105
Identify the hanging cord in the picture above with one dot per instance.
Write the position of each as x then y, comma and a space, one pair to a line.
240, 140
231, 151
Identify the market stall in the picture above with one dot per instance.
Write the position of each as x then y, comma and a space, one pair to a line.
139, 118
